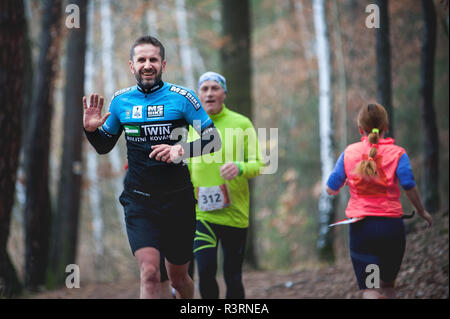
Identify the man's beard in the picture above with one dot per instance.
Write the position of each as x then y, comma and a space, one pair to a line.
148, 84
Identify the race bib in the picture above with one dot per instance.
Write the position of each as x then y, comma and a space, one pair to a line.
213, 198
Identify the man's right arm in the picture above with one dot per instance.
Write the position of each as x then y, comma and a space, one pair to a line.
102, 140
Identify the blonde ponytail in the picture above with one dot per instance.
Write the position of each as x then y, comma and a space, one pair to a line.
368, 167
372, 119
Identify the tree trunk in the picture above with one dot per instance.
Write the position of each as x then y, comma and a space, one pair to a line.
342, 77
38, 206
326, 202
93, 192
27, 96
12, 61
109, 87
29, 64
430, 189
151, 19
383, 50
185, 48
343, 117
69, 190
235, 54
236, 67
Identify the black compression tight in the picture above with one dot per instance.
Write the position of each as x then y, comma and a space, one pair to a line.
206, 243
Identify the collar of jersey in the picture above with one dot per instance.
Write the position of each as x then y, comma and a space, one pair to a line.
153, 89
219, 115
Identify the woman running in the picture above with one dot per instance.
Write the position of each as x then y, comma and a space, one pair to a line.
373, 168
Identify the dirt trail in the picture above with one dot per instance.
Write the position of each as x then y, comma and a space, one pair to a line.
423, 275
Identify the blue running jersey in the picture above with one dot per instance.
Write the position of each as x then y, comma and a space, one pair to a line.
150, 118
161, 115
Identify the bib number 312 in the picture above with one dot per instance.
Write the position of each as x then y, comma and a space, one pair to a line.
213, 198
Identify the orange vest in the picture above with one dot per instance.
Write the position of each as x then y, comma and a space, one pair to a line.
378, 195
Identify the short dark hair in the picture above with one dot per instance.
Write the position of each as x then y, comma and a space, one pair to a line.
148, 39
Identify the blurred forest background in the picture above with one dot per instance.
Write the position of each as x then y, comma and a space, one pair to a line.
283, 71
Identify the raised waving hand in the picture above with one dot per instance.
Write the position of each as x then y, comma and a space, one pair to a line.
92, 115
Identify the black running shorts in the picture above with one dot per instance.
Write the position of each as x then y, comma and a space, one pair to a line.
164, 221
377, 241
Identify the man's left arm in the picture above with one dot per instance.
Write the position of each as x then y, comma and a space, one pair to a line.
253, 161
209, 141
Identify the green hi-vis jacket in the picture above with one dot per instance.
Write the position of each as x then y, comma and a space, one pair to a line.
239, 145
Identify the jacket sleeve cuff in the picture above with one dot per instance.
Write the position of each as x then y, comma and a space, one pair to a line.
241, 170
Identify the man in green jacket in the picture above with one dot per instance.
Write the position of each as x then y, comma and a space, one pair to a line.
221, 188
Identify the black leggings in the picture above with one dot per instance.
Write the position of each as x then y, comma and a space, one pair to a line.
233, 241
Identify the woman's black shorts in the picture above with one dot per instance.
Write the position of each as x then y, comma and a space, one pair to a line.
164, 221
377, 241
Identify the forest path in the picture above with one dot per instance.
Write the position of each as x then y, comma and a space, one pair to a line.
424, 274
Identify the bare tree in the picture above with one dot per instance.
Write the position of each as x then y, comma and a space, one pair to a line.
109, 87
12, 61
342, 78
151, 18
94, 192
38, 205
236, 67
190, 56
326, 202
383, 50
235, 54
64, 242
431, 155
185, 48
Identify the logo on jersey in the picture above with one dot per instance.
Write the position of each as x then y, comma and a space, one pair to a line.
122, 91
195, 103
137, 112
157, 132
132, 130
148, 133
155, 111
